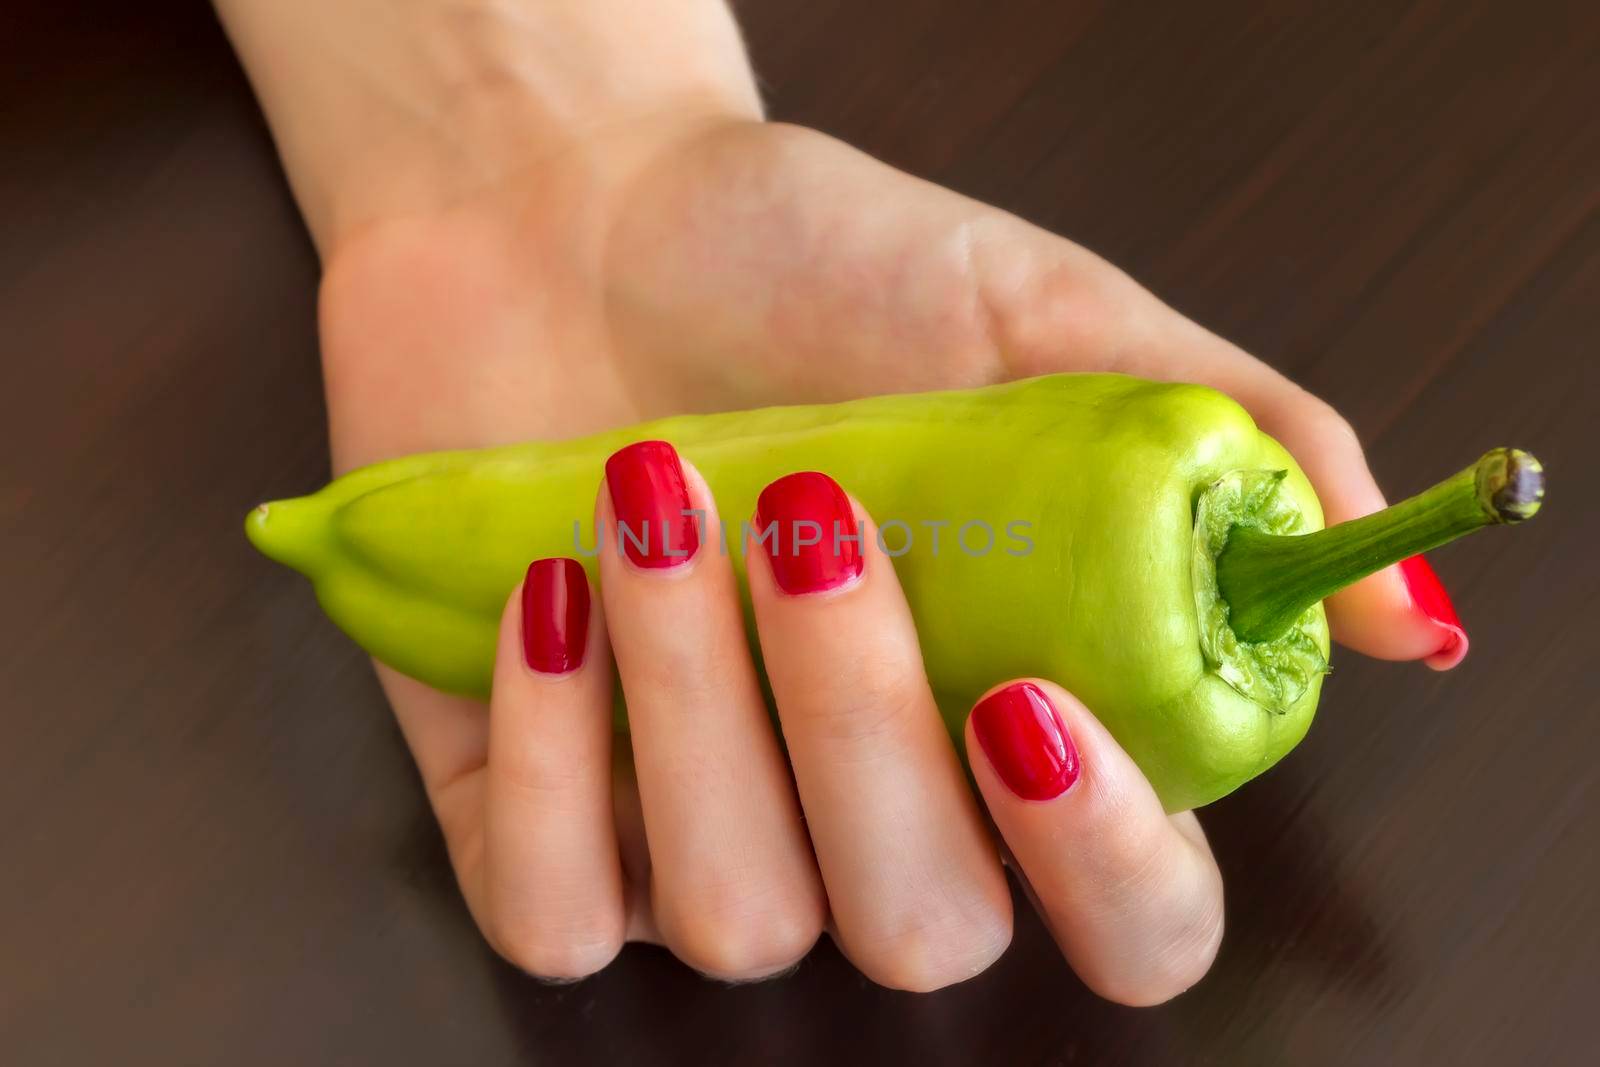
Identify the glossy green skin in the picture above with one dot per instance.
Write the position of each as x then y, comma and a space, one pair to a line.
414, 558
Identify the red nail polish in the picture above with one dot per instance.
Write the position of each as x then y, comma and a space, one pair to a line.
1428, 594
814, 541
650, 499
1026, 742
555, 615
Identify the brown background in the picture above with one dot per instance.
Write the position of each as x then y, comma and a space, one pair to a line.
213, 847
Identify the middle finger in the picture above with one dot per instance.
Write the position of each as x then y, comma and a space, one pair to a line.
734, 887
914, 881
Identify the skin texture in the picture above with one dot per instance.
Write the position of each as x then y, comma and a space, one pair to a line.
542, 220
413, 558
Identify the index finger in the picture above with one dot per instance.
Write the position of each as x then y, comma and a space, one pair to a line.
1059, 307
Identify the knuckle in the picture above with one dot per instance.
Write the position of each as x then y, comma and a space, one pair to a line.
1331, 426
1194, 949
872, 701
929, 954
1073, 303
1179, 961
1137, 864
679, 674
1127, 847
558, 953
747, 947
556, 784
743, 928
1164, 907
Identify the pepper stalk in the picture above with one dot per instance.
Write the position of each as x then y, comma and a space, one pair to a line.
1269, 580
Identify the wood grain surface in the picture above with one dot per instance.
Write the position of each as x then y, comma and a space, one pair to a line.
214, 848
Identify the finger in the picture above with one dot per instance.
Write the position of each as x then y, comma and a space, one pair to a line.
1402, 612
552, 880
1058, 307
1132, 895
734, 887
916, 889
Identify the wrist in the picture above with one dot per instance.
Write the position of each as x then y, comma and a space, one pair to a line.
396, 115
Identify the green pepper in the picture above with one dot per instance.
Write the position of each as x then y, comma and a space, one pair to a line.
1141, 543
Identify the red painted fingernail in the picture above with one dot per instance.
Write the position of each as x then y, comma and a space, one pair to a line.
650, 499
814, 541
555, 615
1428, 594
1026, 742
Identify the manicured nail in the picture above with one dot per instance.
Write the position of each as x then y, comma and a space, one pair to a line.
1026, 742
650, 499
1428, 594
814, 541
555, 615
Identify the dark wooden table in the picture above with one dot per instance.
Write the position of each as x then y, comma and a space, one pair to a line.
214, 847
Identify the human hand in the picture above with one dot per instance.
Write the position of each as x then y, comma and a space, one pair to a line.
726, 263
892, 853
548, 257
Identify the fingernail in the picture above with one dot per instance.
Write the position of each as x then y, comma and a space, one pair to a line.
814, 541
650, 499
1026, 742
555, 615
1428, 594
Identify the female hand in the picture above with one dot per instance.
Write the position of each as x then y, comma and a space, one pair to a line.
544, 219
892, 852
744, 264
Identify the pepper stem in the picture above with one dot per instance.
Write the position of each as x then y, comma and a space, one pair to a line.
1269, 580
